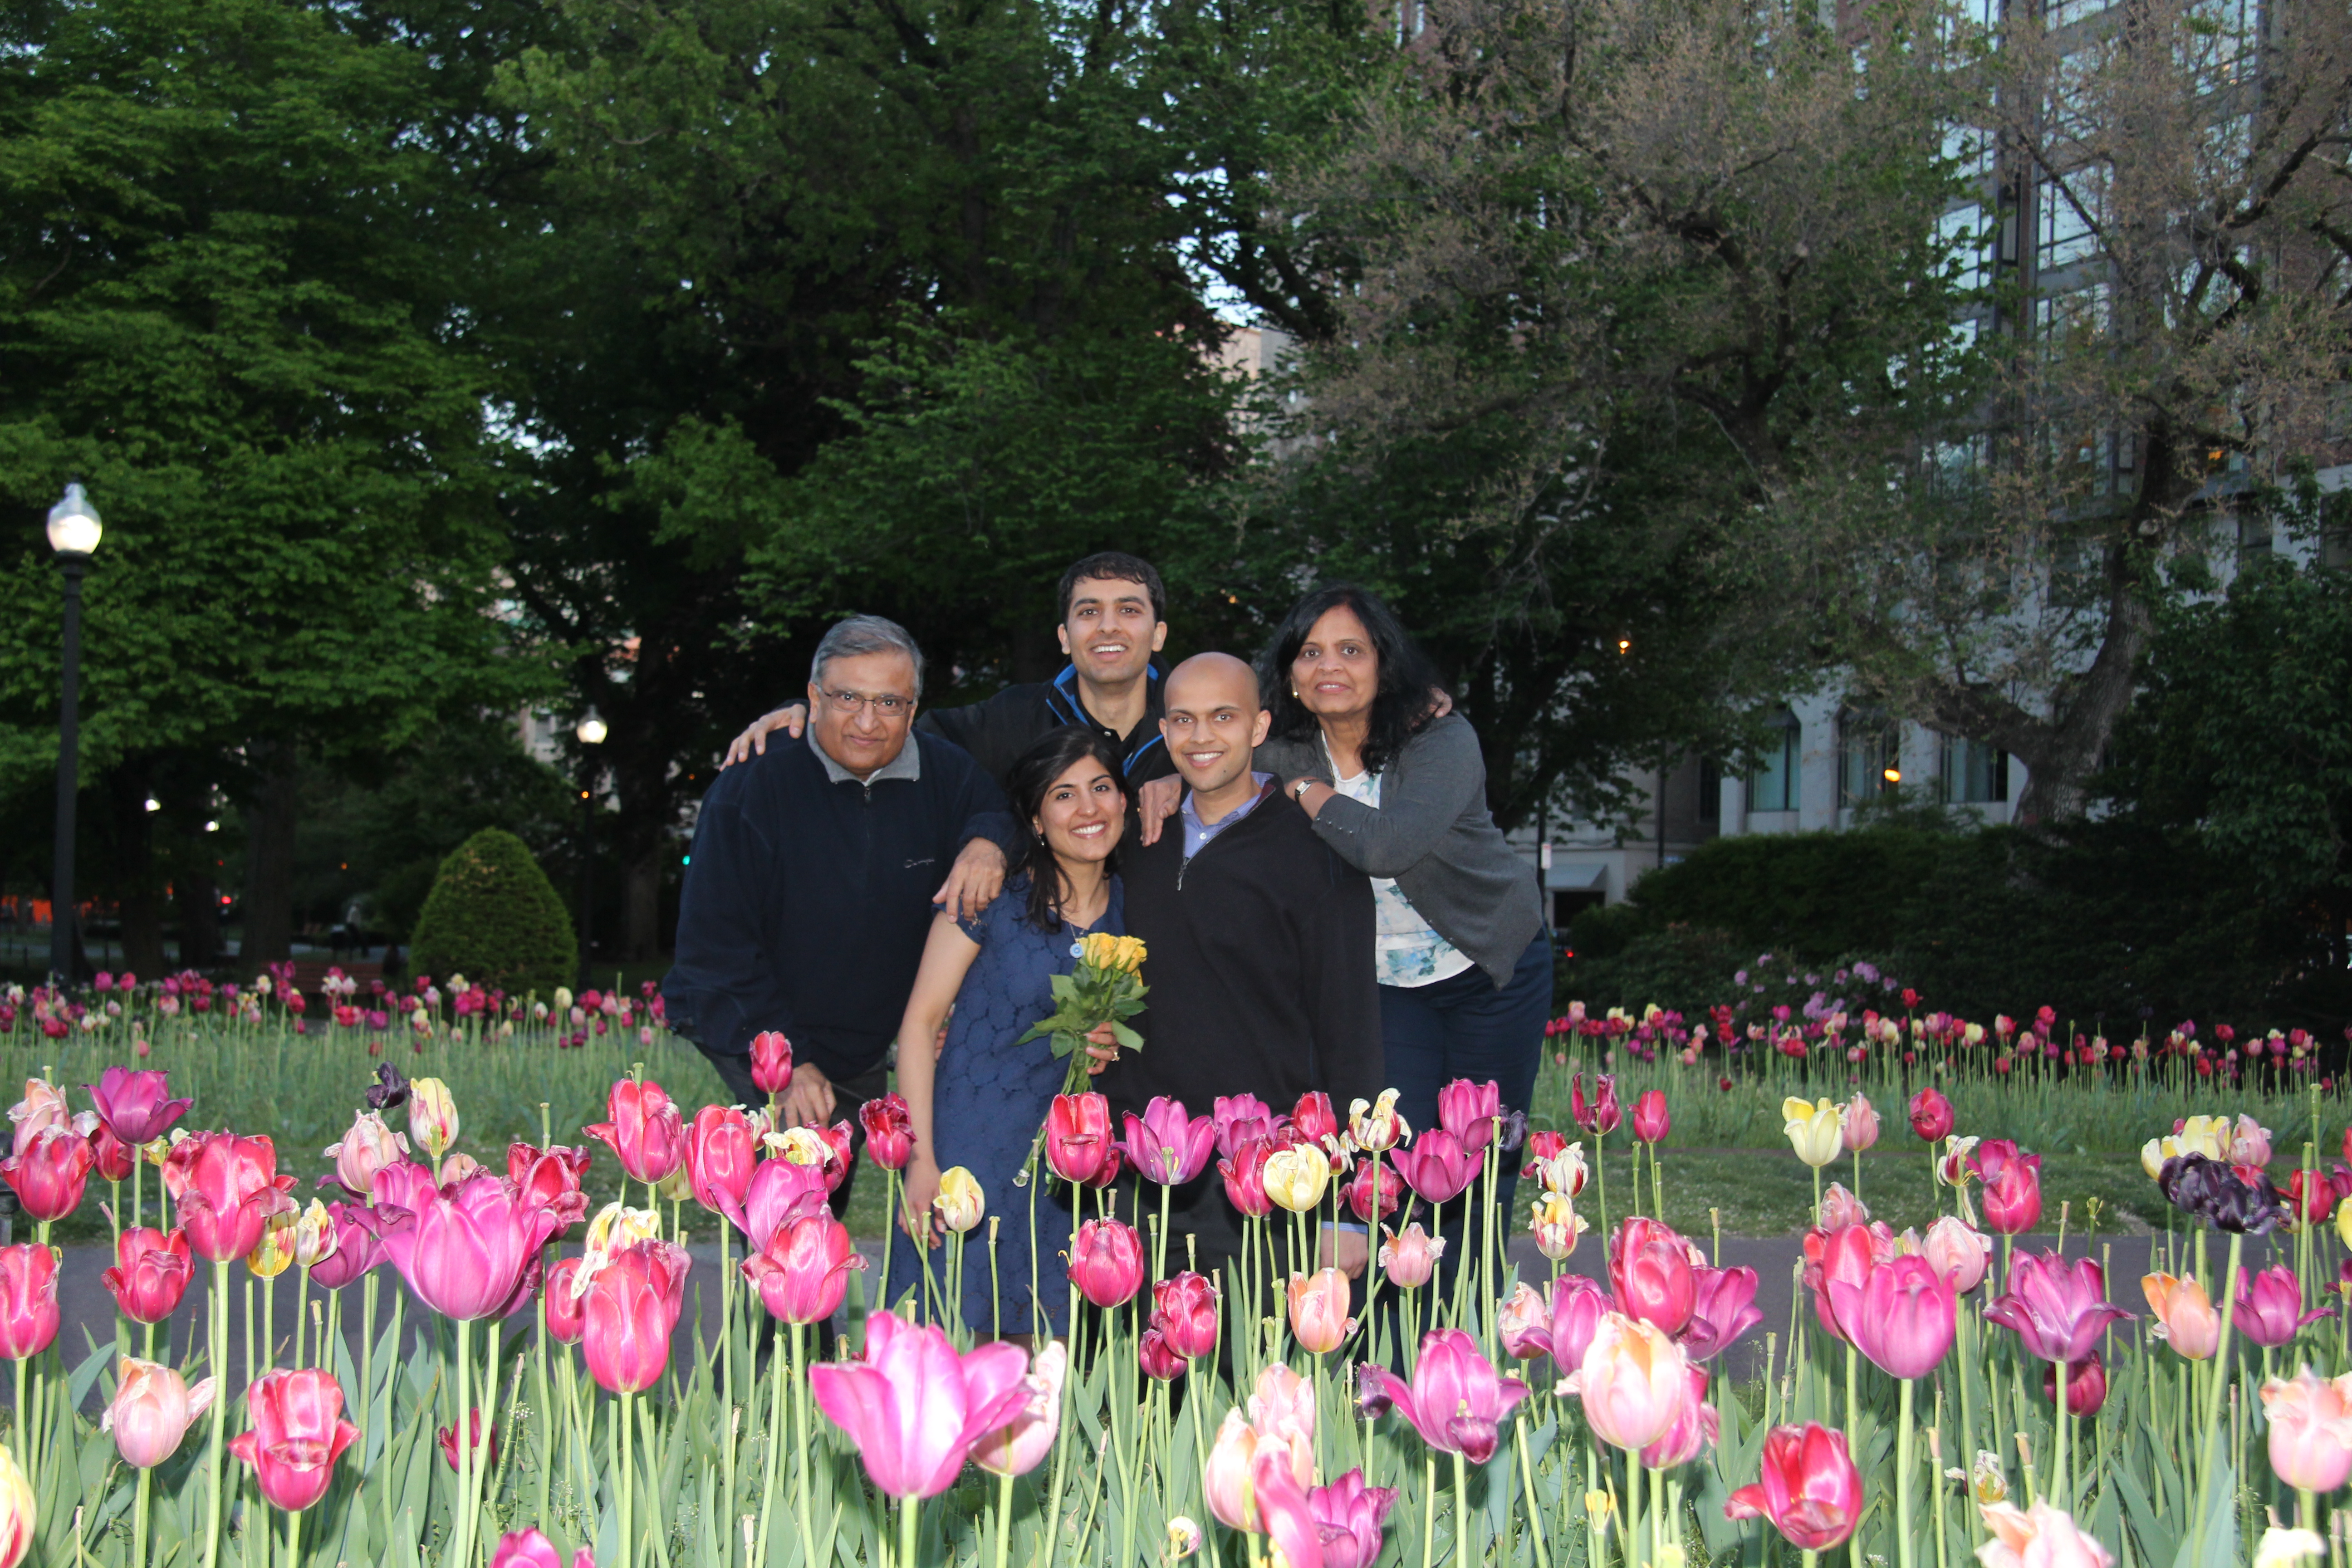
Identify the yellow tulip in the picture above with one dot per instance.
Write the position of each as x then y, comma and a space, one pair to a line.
1296, 1178
432, 1116
275, 1250
2206, 1135
18, 1513
1816, 1129
961, 1202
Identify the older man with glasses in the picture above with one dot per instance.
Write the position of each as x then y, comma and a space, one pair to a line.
809, 891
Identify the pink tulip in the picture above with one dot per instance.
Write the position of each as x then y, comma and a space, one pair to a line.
1723, 1308
355, 1251
296, 1432
644, 1130
1315, 1123
550, 1179
1409, 1259
1651, 1120
1861, 1124
2249, 1143
2013, 1187
772, 1062
113, 1158
567, 1314
776, 1192
1633, 1382
150, 1274
631, 1305
50, 1173
2086, 1385
42, 1106
1650, 1271
1018, 1445
1244, 1174
1522, 1323
1931, 1115
1840, 1209
803, 1275
1693, 1430
470, 1253
2058, 1310
1106, 1262
1957, 1253
29, 1300
2038, 1537
227, 1188
1435, 1165
914, 1407
2310, 1430
530, 1548
1347, 1515
1844, 1254
1240, 1118
1578, 1305
1167, 1146
1319, 1310
1078, 1136
1456, 1400
136, 1107
1809, 1490
719, 1150
2270, 1307
1602, 1114
1468, 1111
1375, 1193
2184, 1314
1157, 1358
1901, 1316
482, 1445
1185, 1311
150, 1411
889, 1130
360, 1154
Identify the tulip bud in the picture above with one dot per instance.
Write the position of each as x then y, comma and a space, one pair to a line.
1319, 1310
961, 1204
1651, 1119
1410, 1258
1296, 1178
1106, 1262
432, 1116
152, 1410
29, 1300
1816, 1129
772, 1062
1860, 1125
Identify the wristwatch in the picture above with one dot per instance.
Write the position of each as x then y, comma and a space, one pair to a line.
1299, 790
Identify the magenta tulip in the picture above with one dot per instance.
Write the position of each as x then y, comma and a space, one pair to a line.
1347, 1515
1723, 1308
1244, 1176
1600, 1116
2086, 1385
1809, 1490
1435, 1165
50, 1173
1468, 1109
1240, 1118
1650, 1271
772, 1062
137, 1107
644, 1128
777, 1188
1456, 1400
2270, 1307
357, 1248
1652, 1121
296, 1433
550, 1179
889, 1130
719, 1150
1931, 1115
472, 1253
530, 1548
2013, 1187
1900, 1316
805, 1272
227, 1188
1167, 1146
2058, 1309
1184, 1310
631, 1305
29, 1300
1078, 1136
567, 1314
150, 1274
1106, 1262
914, 1407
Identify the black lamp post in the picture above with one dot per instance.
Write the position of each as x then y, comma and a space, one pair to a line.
74, 531
590, 732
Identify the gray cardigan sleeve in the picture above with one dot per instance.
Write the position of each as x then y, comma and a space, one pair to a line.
1439, 775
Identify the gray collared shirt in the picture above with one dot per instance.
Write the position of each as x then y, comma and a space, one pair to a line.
906, 764
1198, 833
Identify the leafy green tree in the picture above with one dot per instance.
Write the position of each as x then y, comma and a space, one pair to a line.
493, 916
230, 303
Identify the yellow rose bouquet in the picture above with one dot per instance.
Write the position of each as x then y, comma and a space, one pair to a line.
1105, 988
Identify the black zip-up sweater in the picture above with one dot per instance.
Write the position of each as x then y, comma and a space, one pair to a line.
1258, 953
997, 729
807, 902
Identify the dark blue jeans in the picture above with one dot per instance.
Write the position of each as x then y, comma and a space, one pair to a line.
1465, 1028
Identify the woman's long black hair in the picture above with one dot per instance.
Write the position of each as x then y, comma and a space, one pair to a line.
1027, 783
1408, 678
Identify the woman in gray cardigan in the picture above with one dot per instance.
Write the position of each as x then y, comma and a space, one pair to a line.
1464, 962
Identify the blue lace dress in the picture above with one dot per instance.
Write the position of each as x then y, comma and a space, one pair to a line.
989, 1098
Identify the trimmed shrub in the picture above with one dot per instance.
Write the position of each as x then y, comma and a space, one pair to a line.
494, 917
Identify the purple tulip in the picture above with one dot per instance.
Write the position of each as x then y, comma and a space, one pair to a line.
1455, 1401
1901, 1315
357, 1250
472, 1253
1166, 1145
1724, 1308
1348, 1515
2059, 1310
2270, 1307
914, 1407
136, 1107
1239, 1118
1435, 1165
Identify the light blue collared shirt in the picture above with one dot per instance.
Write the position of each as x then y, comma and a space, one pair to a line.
1198, 833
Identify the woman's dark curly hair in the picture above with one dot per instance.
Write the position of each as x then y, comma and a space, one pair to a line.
1027, 785
1407, 677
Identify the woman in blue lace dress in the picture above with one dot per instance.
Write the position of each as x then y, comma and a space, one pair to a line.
981, 1104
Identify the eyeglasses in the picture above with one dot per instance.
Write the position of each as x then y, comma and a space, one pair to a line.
887, 706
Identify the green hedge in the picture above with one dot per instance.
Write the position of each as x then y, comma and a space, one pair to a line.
2109, 923
494, 917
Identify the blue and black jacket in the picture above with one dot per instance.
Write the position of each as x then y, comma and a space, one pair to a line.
998, 730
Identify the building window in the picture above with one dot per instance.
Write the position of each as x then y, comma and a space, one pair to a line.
1870, 754
1975, 773
1773, 785
1710, 798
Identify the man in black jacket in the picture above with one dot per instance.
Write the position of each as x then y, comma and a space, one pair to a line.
809, 891
1259, 945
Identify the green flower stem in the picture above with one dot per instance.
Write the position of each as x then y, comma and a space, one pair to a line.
1903, 1476
2213, 1400
218, 1310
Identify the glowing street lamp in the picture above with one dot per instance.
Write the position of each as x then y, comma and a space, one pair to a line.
589, 732
74, 533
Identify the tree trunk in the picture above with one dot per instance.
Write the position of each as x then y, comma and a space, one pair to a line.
2060, 764
200, 938
269, 859
641, 881
140, 896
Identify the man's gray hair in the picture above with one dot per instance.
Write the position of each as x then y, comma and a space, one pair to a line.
862, 634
